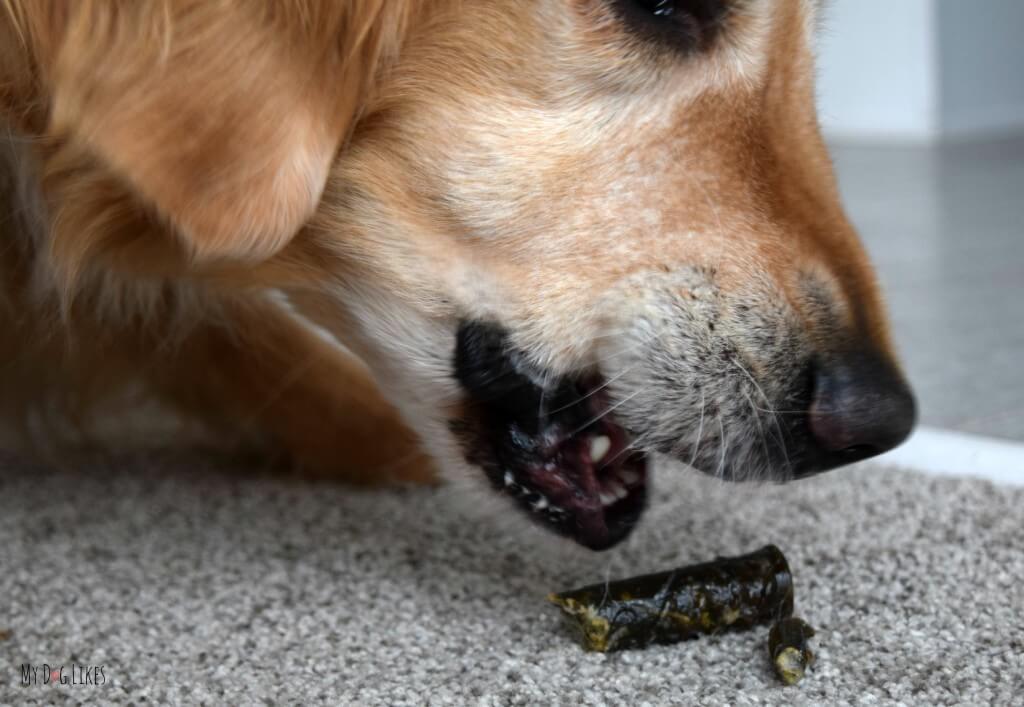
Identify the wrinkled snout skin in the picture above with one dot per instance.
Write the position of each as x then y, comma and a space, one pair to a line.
667, 219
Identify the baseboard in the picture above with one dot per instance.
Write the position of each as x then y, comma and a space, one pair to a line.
945, 453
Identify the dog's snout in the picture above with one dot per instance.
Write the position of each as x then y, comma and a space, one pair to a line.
861, 407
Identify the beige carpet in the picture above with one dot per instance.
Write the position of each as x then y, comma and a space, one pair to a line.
191, 585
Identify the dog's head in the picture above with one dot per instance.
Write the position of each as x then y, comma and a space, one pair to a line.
567, 235
577, 233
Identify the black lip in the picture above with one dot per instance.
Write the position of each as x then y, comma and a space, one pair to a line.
531, 436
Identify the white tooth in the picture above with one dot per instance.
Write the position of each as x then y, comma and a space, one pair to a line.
508, 478
599, 447
619, 491
541, 504
607, 498
629, 477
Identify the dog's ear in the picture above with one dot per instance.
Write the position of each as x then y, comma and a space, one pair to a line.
223, 116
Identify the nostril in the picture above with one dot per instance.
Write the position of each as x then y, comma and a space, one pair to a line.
859, 451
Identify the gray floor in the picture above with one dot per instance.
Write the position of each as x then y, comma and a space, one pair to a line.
946, 228
190, 585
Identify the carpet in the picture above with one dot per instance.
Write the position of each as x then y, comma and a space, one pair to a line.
180, 582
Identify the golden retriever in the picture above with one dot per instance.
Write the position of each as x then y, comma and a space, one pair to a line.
530, 243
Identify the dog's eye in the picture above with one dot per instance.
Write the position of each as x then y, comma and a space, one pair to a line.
659, 8
686, 25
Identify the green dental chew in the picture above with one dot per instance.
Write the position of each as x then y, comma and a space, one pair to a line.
725, 594
788, 649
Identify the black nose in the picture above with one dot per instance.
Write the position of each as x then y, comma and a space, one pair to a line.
861, 407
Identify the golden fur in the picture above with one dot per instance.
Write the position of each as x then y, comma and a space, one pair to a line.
169, 138
266, 217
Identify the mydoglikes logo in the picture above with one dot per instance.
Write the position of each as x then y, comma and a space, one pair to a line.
46, 674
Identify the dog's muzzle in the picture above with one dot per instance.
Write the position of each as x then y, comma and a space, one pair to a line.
550, 445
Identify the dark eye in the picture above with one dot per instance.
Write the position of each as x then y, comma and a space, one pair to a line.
659, 8
686, 25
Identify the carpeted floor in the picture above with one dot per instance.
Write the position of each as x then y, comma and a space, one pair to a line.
188, 584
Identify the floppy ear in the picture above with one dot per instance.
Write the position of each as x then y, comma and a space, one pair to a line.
223, 116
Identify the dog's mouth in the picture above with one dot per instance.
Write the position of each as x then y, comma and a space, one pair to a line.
554, 448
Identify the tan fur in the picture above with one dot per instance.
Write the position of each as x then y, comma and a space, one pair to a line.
214, 114
392, 167
152, 126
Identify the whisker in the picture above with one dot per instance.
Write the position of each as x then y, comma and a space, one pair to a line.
782, 412
603, 414
780, 439
601, 360
545, 383
760, 429
778, 430
598, 389
725, 446
700, 431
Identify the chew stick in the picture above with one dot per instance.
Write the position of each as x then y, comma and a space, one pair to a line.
667, 607
788, 649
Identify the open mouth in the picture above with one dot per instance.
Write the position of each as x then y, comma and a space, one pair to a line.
551, 446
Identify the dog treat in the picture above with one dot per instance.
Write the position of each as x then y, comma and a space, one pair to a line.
788, 649
725, 594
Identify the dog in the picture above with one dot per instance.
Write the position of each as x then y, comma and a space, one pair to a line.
531, 244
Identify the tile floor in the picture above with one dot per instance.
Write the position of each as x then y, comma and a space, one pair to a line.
945, 227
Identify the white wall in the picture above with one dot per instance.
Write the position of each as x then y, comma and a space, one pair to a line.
981, 66
919, 70
877, 73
